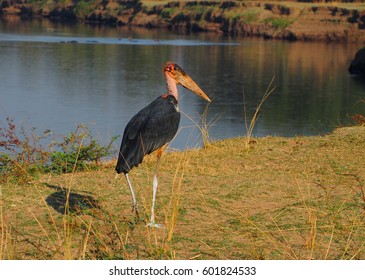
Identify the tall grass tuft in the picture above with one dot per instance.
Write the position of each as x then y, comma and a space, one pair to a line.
5, 245
174, 204
249, 128
204, 126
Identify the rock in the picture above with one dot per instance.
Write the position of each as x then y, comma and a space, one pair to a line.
357, 66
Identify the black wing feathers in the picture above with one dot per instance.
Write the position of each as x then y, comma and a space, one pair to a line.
151, 128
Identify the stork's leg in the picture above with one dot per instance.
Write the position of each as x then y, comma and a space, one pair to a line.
155, 186
135, 205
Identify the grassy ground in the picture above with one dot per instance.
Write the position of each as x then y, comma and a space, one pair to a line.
284, 198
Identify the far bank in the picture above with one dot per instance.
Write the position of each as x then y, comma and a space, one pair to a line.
331, 22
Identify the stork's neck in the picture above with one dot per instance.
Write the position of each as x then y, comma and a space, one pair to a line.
171, 86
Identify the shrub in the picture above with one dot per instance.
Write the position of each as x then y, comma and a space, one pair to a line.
21, 153
22, 157
78, 151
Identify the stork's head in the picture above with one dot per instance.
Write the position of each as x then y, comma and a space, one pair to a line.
181, 78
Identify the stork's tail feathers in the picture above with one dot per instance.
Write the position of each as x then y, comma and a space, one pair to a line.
134, 157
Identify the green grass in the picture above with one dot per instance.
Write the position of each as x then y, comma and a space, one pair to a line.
279, 23
246, 14
251, 15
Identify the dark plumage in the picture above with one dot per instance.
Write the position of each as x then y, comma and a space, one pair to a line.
151, 128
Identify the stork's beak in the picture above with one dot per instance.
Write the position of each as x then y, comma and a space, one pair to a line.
184, 79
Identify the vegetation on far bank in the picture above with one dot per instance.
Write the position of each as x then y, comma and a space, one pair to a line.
291, 20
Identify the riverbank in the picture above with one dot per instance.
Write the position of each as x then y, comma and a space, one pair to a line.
340, 22
284, 198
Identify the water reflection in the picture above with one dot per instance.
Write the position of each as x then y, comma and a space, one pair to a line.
103, 84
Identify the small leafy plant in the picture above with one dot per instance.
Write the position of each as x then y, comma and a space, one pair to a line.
23, 157
78, 151
21, 152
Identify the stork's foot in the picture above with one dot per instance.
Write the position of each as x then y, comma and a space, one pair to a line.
135, 210
153, 224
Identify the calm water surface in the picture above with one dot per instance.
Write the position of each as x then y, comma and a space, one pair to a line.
54, 76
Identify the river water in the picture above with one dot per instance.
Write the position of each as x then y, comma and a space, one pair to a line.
54, 76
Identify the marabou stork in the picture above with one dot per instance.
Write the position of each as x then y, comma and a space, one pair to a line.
153, 128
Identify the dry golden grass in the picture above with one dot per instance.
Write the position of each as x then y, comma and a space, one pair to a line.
287, 198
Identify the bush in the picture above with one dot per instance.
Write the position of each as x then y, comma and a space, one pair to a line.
22, 157
79, 151
21, 153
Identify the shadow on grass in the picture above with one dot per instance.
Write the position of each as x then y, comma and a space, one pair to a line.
78, 204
